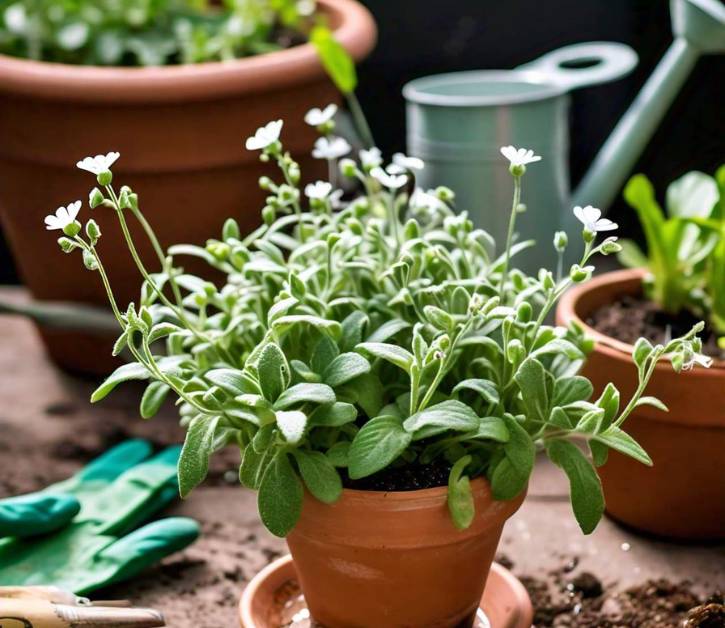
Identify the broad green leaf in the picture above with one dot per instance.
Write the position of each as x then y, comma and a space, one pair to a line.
333, 415
512, 473
231, 381
460, 498
335, 59
253, 467
618, 439
639, 194
292, 424
532, 380
390, 353
387, 330
274, 372
559, 346
490, 428
153, 397
305, 372
609, 402
570, 389
352, 330
305, 393
162, 330
319, 475
590, 421
447, 415
280, 496
587, 499
324, 353
631, 255
345, 367
338, 454
285, 323
264, 437
366, 391
560, 418
651, 401
125, 373
378, 443
693, 195
600, 452
484, 387
194, 458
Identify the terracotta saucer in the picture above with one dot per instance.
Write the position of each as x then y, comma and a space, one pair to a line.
273, 599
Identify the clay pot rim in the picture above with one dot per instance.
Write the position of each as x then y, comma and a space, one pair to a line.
354, 28
568, 311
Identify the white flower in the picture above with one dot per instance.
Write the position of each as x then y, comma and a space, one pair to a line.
591, 218
306, 7
331, 148
426, 200
98, 164
407, 163
318, 190
63, 217
697, 358
371, 158
391, 181
519, 156
335, 199
265, 136
316, 117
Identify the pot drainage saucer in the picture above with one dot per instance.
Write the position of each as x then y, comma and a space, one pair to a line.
273, 599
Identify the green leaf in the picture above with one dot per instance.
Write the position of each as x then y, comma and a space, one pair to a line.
609, 402
512, 473
631, 255
338, 454
484, 387
560, 418
323, 354
693, 195
345, 367
231, 381
253, 466
378, 443
153, 397
600, 452
292, 424
280, 496
319, 475
490, 428
125, 373
337, 62
570, 389
162, 330
590, 421
651, 401
531, 377
390, 353
305, 393
618, 439
587, 499
274, 372
367, 392
460, 498
352, 330
334, 415
264, 437
447, 415
387, 330
285, 323
198, 447
639, 194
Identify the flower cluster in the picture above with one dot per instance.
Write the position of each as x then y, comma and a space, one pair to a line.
363, 331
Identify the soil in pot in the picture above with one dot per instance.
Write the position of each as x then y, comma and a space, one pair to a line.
632, 317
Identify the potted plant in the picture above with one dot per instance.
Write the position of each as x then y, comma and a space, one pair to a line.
386, 374
679, 280
172, 86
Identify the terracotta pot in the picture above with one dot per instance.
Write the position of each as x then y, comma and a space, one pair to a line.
180, 131
396, 559
683, 495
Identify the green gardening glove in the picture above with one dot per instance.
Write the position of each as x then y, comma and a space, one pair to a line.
101, 545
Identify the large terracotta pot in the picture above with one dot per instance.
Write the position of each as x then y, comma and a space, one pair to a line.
180, 131
683, 495
396, 559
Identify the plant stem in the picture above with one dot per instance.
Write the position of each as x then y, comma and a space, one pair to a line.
510, 236
361, 122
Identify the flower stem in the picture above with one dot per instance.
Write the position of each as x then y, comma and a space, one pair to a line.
510, 236
358, 116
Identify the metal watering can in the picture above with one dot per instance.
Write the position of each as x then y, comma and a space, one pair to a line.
458, 121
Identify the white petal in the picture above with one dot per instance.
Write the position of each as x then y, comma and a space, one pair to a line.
409, 163
73, 210
604, 224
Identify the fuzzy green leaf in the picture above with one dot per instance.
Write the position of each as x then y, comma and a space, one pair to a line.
280, 496
587, 499
570, 389
390, 353
319, 475
387, 330
292, 424
484, 387
198, 447
274, 372
532, 380
253, 466
153, 397
618, 439
447, 415
231, 381
511, 474
305, 393
460, 498
125, 373
338, 63
345, 367
378, 443
333, 415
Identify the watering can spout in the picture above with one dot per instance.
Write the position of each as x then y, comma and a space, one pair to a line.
699, 28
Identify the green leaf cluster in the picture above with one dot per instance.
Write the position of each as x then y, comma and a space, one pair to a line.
147, 32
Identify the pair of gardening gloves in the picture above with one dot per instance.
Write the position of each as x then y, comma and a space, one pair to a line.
83, 534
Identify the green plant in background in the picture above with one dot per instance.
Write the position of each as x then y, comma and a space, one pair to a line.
685, 248
358, 335
149, 32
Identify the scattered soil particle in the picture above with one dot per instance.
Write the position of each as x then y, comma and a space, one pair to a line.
633, 317
405, 478
587, 584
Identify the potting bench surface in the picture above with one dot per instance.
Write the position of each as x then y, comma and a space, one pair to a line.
51, 430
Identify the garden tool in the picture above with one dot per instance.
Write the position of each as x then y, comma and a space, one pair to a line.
117, 492
458, 121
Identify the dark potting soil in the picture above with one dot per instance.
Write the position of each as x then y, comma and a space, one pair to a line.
631, 317
411, 477
583, 600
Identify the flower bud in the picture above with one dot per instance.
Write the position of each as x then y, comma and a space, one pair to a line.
269, 215
546, 279
104, 178
515, 351
265, 183
521, 208
609, 246
220, 250
475, 304
517, 170
560, 240
93, 231
445, 194
332, 239
411, 231
95, 198
579, 274
230, 229
67, 245
348, 168
524, 312
72, 229
588, 236
294, 173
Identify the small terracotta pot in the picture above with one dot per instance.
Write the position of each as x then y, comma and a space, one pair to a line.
683, 495
396, 559
180, 131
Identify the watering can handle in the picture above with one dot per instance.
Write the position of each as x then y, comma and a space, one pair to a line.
605, 61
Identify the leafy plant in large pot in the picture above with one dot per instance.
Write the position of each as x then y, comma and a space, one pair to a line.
385, 372
681, 278
179, 121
